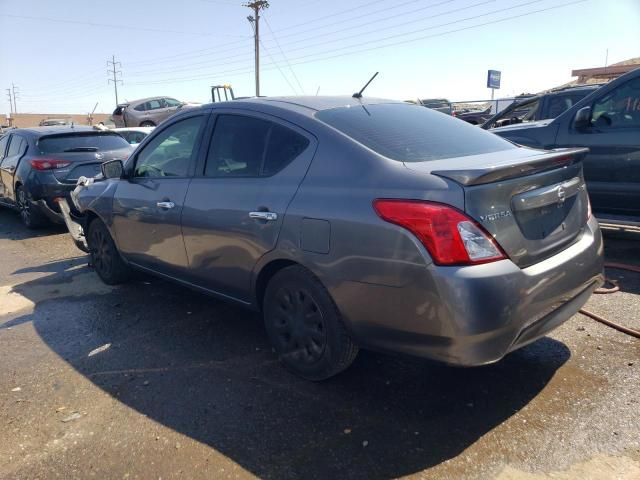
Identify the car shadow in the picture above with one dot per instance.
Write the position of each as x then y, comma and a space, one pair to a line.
623, 247
11, 228
204, 368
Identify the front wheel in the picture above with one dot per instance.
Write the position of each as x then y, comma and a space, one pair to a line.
105, 257
305, 327
147, 124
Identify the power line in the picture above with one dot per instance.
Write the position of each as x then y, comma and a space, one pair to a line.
360, 34
283, 55
109, 25
115, 74
362, 50
189, 67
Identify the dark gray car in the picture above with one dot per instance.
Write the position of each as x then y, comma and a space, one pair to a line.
41, 164
353, 223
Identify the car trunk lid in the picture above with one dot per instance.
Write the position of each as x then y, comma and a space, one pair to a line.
85, 164
534, 203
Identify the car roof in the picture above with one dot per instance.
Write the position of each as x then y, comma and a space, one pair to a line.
54, 129
305, 104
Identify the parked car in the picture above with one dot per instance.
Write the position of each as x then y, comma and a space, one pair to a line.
474, 117
608, 122
134, 135
52, 122
38, 165
439, 104
540, 107
146, 112
352, 223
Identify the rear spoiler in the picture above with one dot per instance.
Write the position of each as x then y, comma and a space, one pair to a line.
546, 161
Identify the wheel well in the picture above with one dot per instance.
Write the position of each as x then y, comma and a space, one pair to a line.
147, 123
266, 274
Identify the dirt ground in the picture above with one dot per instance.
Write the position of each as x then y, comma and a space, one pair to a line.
149, 380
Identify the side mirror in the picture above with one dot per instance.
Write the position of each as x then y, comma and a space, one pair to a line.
582, 120
112, 169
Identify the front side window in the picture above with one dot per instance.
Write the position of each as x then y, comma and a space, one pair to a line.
3, 145
170, 153
244, 146
620, 108
172, 102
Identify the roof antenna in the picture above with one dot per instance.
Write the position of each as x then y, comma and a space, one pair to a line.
359, 94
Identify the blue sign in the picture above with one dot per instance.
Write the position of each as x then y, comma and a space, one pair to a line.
493, 79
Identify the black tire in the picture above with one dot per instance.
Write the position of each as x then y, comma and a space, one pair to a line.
30, 213
105, 257
305, 327
147, 124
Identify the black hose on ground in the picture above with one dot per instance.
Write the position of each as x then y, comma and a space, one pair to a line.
615, 288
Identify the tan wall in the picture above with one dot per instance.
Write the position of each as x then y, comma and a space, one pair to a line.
23, 120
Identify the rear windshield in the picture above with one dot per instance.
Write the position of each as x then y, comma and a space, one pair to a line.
410, 133
95, 141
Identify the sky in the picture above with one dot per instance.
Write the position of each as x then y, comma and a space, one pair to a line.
56, 52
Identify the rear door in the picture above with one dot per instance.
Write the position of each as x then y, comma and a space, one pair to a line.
612, 167
234, 209
4, 142
147, 207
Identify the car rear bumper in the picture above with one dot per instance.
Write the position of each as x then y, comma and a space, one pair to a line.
474, 315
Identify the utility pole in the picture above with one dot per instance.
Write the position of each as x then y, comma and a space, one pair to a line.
256, 6
115, 72
10, 99
15, 105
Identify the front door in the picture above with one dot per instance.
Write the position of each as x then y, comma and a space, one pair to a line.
236, 206
17, 148
612, 167
147, 207
4, 141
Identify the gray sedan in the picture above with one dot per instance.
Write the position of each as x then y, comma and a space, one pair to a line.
352, 223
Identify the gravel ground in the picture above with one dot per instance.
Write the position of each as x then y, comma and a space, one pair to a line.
149, 380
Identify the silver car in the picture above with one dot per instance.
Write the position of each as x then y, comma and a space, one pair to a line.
350, 224
146, 112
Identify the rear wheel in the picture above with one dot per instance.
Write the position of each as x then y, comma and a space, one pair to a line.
305, 326
105, 257
29, 212
147, 124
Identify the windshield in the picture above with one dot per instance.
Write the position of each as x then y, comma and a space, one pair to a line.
94, 141
410, 133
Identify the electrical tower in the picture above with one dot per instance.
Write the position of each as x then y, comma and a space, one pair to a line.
10, 99
115, 73
256, 6
13, 90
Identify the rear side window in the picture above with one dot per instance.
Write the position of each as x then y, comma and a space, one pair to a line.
89, 141
244, 146
142, 107
409, 133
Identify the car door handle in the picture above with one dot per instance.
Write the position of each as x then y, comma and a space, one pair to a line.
165, 205
268, 216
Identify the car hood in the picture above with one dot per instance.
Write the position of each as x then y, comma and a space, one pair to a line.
522, 126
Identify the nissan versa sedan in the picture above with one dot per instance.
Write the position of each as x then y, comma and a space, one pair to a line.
352, 223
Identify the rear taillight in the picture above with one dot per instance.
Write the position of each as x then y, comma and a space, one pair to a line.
48, 164
451, 237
